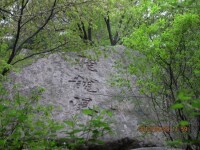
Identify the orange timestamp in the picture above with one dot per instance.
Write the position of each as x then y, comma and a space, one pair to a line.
143, 128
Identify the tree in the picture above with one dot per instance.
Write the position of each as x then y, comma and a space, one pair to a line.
28, 24
168, 68
103, 22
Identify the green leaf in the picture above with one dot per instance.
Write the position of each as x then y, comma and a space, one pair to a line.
195, 114
75, 131
197, 72
107, 128
109, 113
2, 142
184, 123
175, 142
183, 96
12, 112
177, 106
196, 103
2, 107
87, 111
22, 118
70, 123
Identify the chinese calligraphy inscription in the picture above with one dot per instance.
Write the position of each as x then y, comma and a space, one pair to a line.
86, 83
90, 64
80, 103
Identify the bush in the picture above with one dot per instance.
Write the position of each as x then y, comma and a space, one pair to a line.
27, 124
24, 122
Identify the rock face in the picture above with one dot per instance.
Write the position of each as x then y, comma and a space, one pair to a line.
71, 88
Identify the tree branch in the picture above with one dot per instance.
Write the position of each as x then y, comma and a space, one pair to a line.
43, 52
107, 21
46, 11
18, 32
40, 29
6, 11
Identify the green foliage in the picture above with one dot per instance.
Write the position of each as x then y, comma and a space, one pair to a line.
87, 127
175, 143
168, 67
25, 30
177, 106
24, 122
27, 124
184, 123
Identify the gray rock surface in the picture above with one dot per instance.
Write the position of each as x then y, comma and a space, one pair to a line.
71, 87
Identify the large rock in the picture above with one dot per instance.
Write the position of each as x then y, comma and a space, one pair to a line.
71, 87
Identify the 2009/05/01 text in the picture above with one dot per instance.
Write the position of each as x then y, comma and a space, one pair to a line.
162, 129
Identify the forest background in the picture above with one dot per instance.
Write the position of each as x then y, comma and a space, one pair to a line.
166, 34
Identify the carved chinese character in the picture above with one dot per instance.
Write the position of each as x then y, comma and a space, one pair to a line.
78, 80
85, 82
91, 65
81, 102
